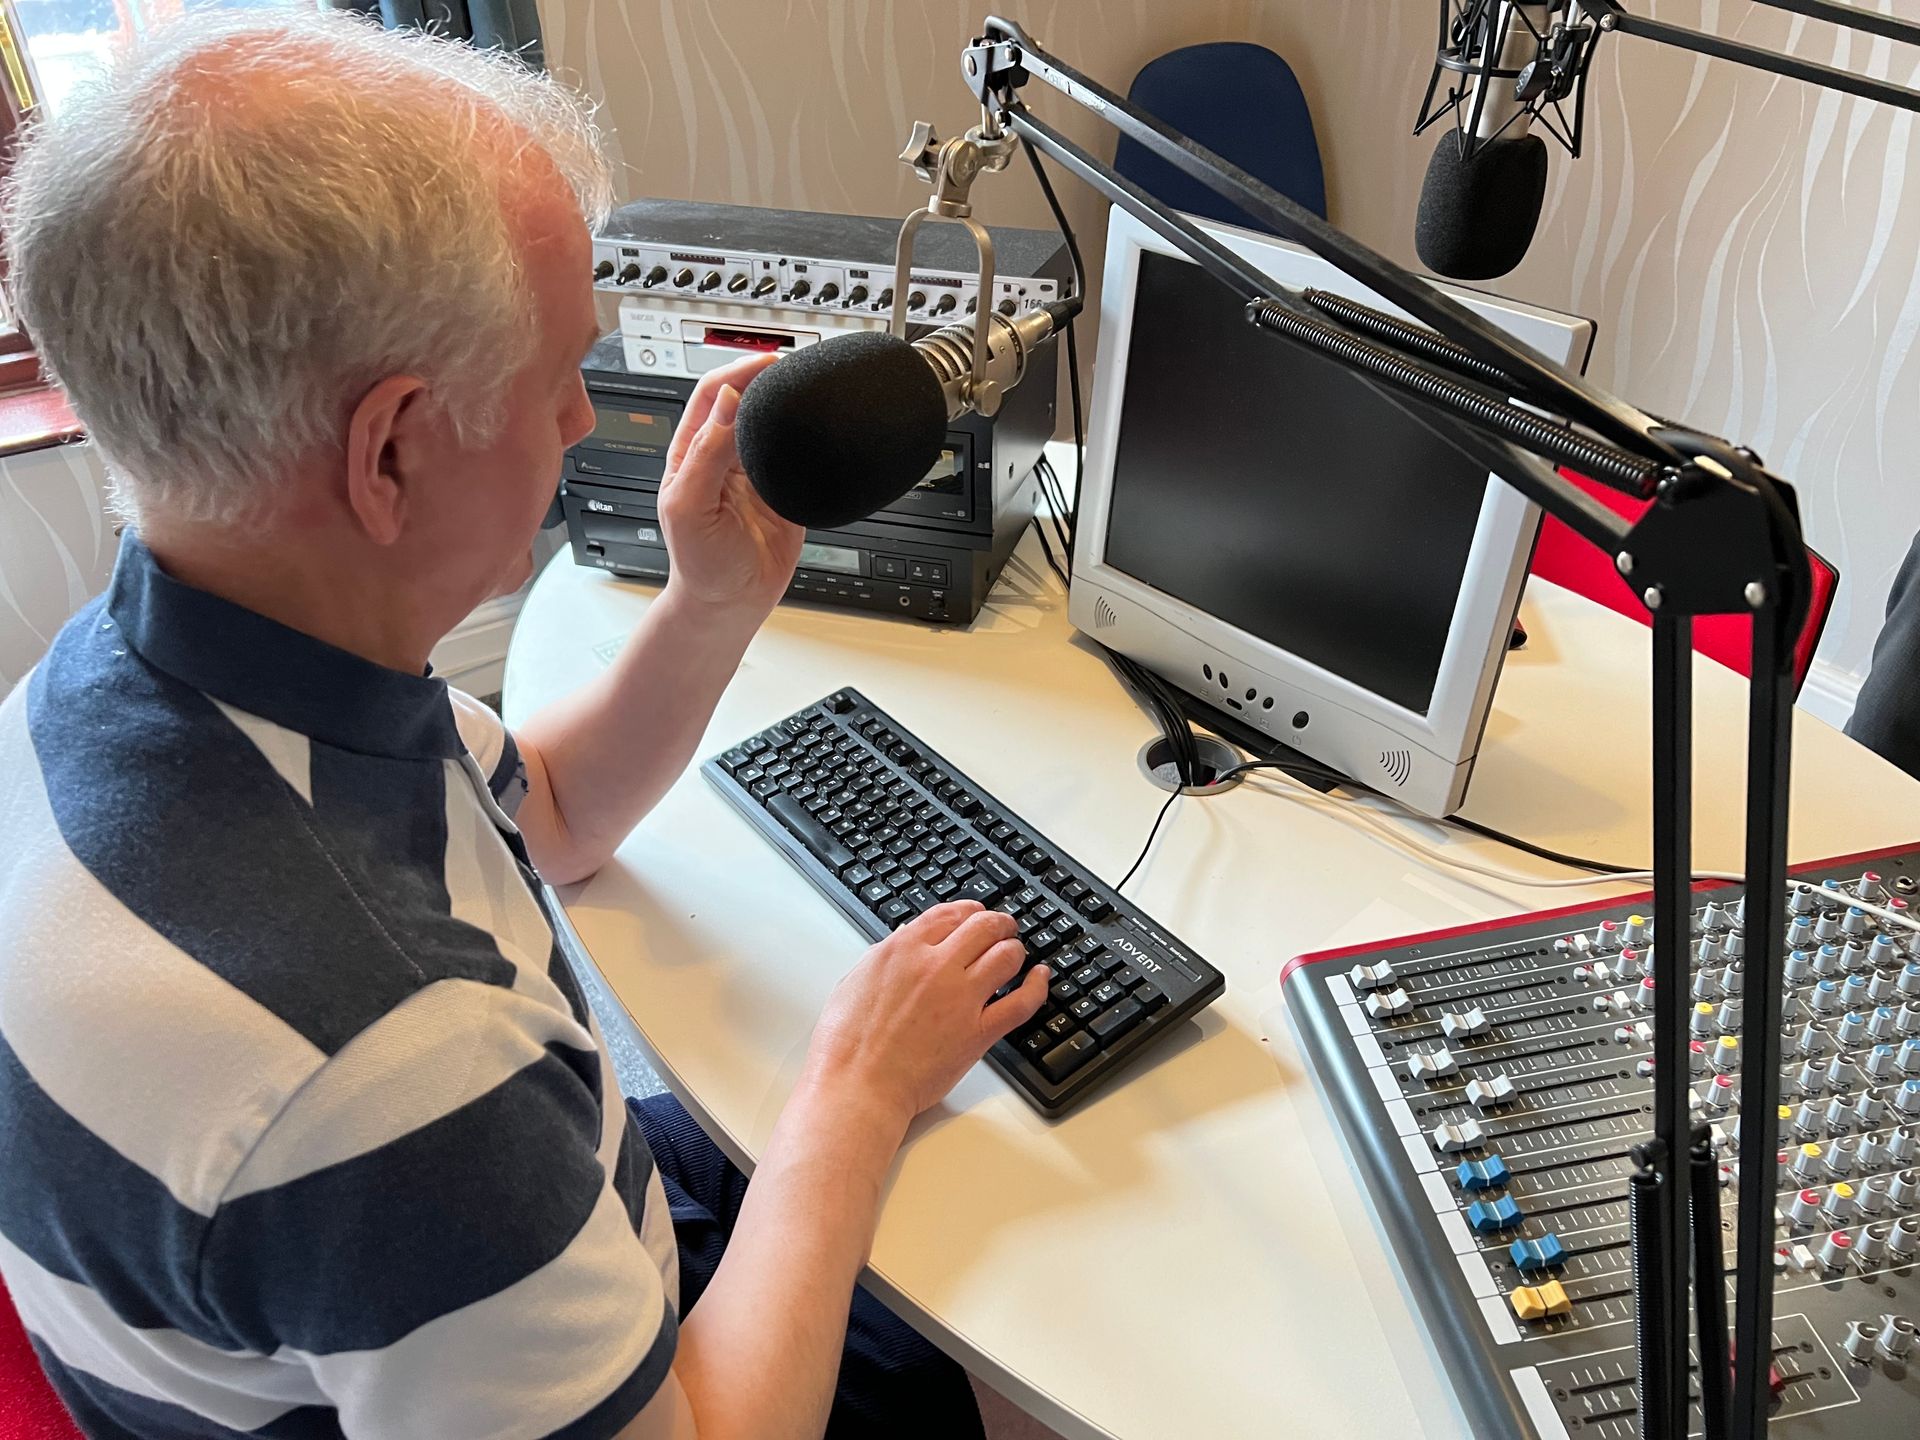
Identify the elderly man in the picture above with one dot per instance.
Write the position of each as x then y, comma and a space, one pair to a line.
305, 1129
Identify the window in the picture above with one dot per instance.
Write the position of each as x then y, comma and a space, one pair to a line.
46, 48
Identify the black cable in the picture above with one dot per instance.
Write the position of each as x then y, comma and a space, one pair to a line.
1073, 350
1172, 796
1047, 550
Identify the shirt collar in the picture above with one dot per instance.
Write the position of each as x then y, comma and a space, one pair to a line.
280, 674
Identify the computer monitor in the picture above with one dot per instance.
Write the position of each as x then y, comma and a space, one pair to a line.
1275, 537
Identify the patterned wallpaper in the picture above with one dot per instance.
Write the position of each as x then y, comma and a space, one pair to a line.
1748, 245
56, 548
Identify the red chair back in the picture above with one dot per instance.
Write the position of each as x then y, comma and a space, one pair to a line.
1567, 560
29, 1408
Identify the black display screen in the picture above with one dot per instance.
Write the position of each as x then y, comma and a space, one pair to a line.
1263, 485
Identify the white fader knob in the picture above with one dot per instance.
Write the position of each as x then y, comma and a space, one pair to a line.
1451, 1139
1389, 1004
1464, 1024
1372, 977
1433, 1065
1490, 1093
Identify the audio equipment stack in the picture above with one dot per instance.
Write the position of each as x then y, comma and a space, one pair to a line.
702, 285
1490, 1082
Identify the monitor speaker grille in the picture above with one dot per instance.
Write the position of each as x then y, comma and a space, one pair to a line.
1398, 765
1104, 615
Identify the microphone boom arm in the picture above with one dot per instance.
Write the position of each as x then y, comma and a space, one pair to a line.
1722, 537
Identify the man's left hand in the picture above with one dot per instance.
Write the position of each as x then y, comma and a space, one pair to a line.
726, 549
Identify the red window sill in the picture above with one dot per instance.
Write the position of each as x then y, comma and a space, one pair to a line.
34, 417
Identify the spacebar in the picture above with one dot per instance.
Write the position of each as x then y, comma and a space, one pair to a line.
815, 836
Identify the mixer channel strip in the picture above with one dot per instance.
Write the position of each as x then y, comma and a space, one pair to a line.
1490, 1082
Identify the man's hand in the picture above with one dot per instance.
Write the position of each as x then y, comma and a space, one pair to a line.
726, 549
918, 1010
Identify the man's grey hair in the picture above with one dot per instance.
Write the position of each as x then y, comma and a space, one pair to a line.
247, 221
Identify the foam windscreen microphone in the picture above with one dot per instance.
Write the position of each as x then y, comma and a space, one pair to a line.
843, 428
1478, 211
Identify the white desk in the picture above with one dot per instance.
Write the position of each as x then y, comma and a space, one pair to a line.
1187, 1256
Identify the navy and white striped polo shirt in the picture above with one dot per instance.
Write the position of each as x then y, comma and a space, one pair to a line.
305, 1127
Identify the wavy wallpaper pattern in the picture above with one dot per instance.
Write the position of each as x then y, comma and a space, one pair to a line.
1748, 245
56, 548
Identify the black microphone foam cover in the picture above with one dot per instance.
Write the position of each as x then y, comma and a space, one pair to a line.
838, 430
1477, 217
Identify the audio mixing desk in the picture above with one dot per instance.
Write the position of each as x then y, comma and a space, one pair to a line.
1490, 1081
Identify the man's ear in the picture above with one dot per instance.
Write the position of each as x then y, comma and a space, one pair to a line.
382, 438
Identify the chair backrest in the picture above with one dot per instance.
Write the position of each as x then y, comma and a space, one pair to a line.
29, 1408
1243, 103
1567, 560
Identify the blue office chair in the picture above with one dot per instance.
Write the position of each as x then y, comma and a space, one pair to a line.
1242, 102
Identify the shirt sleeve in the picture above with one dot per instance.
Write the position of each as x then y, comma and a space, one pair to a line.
491, 743
444, 1227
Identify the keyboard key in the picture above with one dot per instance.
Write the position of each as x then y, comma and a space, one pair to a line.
896, 912
733, 759
1094, 908
1064, 992
979, 888
964, 804
1001, 833
1068, 1056
1045, 910
919, 897
747, 774
1067, 930
1035, 859
1035, 1043
1084, 1009
1106, 992
877, 893
944, 889
1126, 977
1072, 892
1149, 997
1114, 1023
1058, 879
762, 789
1059, 1025
995, 870
1091, 947
1087, 976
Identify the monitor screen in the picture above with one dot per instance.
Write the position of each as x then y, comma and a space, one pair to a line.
1261, 484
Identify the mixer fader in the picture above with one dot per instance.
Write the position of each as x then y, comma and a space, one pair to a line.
1491, 1081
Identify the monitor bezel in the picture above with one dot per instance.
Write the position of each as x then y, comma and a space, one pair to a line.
1348, 723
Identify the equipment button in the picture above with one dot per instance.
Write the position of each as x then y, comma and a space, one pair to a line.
1537, 1302
927, 572
889, 567
1069, 1055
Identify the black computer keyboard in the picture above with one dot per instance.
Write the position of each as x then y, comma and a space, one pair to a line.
887, 829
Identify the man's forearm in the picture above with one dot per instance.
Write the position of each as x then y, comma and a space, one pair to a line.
759, 1354
599, 759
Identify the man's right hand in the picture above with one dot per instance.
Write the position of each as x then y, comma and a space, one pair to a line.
918, 1010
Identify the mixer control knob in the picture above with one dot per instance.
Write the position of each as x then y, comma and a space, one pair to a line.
1733, 979
1860, 1338
1903, 1189
627, 275
603, 271
1644, 1067
1882, 987
1802, 1209
1834, 1251
1490, 1093
1806, 1120
1734, 947
682, 278
1726, 1053
1451, 1139
886, 299
1432, 1066
1721, 1093
710, 281
1896, 1337
1713, 917
1802, 902
1606, 937
1853, 994
1643, 994
1807, 1164
1879, 1061
738, 284
1873, 1154
857, 295
1883, 952
1839, 1114
1730, 1011
1852, 1027
1853, 957
1464, 1024
1827, 927
1909, 1059
1706, 983
1826, 960
916, 299
1910, 978
1799, 964
946, 304
1840, 1161
1789, 1087
1866, 1110
1907, 1098
1696, 1057
656, 277
1902, 1145
1812, 1040
1830, 895
1800, 934
1371, 977
800, 289
1839, 1203
1707, 952
1905, 1238
1908, 1020
829, 293
1826, 995
1871, 1245
1872, 1198
765, 286
1636, 930
1869, 888
1841, 1072
1854, 922
1702, 1022
1389, 1004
